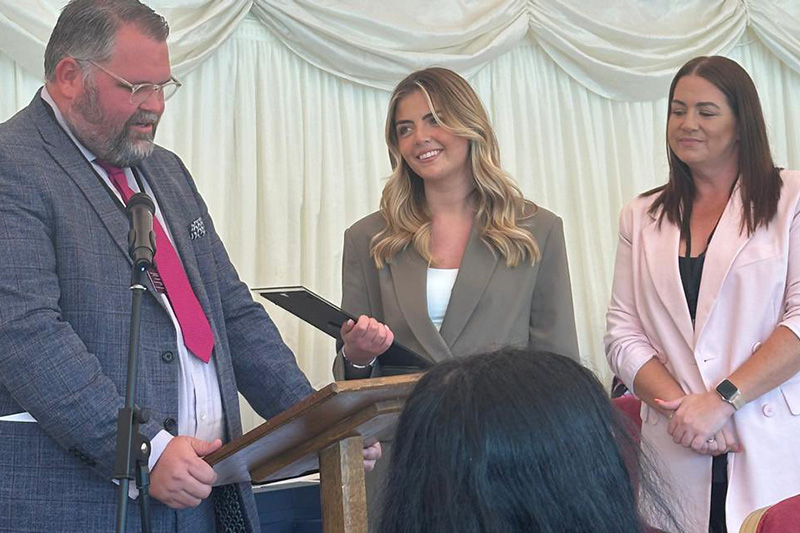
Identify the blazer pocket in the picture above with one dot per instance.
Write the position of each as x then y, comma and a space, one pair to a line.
791, 393
758, 253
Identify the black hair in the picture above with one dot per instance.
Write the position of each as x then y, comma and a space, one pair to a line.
512, 441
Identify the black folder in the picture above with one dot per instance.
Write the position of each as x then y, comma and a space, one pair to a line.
329, 318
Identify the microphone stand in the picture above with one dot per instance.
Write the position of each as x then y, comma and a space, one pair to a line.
133, 448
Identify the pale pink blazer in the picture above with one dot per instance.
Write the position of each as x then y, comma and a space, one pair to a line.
750, 285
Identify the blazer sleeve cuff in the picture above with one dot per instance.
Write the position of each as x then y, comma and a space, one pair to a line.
343, 371
634, 360
157, 446
792, 324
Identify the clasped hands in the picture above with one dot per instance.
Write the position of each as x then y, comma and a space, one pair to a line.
701, 422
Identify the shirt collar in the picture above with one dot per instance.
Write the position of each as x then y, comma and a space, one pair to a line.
88, 154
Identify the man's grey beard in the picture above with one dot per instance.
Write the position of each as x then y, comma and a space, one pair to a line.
119, 146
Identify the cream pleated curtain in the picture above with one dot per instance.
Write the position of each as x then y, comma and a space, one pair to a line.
281, 115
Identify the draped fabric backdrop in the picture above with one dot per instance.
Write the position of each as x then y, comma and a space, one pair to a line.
282, 111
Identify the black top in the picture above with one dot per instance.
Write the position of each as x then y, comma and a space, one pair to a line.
691, 269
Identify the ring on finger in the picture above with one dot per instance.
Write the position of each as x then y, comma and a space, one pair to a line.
712, 440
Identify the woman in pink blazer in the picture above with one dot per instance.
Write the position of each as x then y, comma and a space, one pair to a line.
704, 318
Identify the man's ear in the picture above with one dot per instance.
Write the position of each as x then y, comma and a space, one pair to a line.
69, 78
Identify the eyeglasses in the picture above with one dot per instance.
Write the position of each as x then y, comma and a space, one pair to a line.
141, 92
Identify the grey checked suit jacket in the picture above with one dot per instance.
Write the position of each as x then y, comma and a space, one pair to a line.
64, 322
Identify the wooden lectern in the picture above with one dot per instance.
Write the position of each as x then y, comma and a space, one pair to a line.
325, 431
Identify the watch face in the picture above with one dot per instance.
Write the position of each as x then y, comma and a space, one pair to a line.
727, 389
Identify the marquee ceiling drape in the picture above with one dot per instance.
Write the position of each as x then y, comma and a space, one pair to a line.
619, 49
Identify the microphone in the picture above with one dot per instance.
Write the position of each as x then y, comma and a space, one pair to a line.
141, 238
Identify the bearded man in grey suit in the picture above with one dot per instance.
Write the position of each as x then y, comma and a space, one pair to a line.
67, 162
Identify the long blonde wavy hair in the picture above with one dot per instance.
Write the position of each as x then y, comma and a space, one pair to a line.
499, 201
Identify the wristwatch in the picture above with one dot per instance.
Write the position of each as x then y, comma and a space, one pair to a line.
731, 394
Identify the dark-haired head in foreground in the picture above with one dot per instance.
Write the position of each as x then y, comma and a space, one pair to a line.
512, 441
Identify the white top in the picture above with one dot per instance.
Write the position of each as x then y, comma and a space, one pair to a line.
200, 412
440, 286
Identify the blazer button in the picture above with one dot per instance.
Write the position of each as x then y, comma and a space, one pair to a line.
768, 410
167, 357
170, 425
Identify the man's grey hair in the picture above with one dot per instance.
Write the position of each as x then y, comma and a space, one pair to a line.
86, 30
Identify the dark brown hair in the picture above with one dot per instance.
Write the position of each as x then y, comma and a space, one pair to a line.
87, 29
760, 181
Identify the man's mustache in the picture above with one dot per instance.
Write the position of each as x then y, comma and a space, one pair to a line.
142, 118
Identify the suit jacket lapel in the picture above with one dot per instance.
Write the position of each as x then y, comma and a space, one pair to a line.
69, 158
103, 201
661, 248
409, 277
172, 204
477, 267
725, 245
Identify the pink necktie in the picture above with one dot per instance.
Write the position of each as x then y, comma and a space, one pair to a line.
196, 331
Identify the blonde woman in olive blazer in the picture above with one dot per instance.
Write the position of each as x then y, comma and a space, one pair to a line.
449, 206
491, 305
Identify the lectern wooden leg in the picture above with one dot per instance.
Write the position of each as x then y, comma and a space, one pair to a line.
344, 501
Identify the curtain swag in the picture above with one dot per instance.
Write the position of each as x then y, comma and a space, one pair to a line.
623, 50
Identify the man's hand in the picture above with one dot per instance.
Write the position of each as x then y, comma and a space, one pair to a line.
181, 478
371, 456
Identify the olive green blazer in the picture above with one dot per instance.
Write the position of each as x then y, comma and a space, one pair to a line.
491, 305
